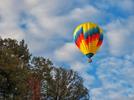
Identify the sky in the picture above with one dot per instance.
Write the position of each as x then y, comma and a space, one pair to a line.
47, 27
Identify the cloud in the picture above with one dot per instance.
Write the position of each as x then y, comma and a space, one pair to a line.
43, 20
87, 12
116, 76
8, 20
79, 66
119, 34
126, 6
67, 53
115, 70
57, 27
109, 94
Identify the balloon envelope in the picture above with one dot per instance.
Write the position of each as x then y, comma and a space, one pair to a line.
88, 38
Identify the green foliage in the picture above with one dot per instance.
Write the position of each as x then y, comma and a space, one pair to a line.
14, 59
13, 54
25, 79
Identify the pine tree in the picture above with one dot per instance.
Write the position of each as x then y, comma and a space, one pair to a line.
14, 59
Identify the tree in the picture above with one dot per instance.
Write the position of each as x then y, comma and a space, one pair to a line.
13, 54
58, 83
66, 85
25, 79
40, 68
14, 59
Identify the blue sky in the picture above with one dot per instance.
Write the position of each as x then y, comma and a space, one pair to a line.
47, 26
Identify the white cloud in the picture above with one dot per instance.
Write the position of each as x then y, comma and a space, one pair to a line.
120, 33
79, 66
109, 94
88, 79
67, 53
8, 20
125, 5
49, 24
60, 26
88, 12
43, 20
116, 76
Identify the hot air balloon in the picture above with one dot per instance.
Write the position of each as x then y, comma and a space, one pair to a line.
88, 38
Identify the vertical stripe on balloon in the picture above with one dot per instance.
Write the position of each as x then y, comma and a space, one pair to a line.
88, 38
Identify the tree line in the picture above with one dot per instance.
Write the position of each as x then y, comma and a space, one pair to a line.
24, 77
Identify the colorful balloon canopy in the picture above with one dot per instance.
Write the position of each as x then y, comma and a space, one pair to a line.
88, 38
